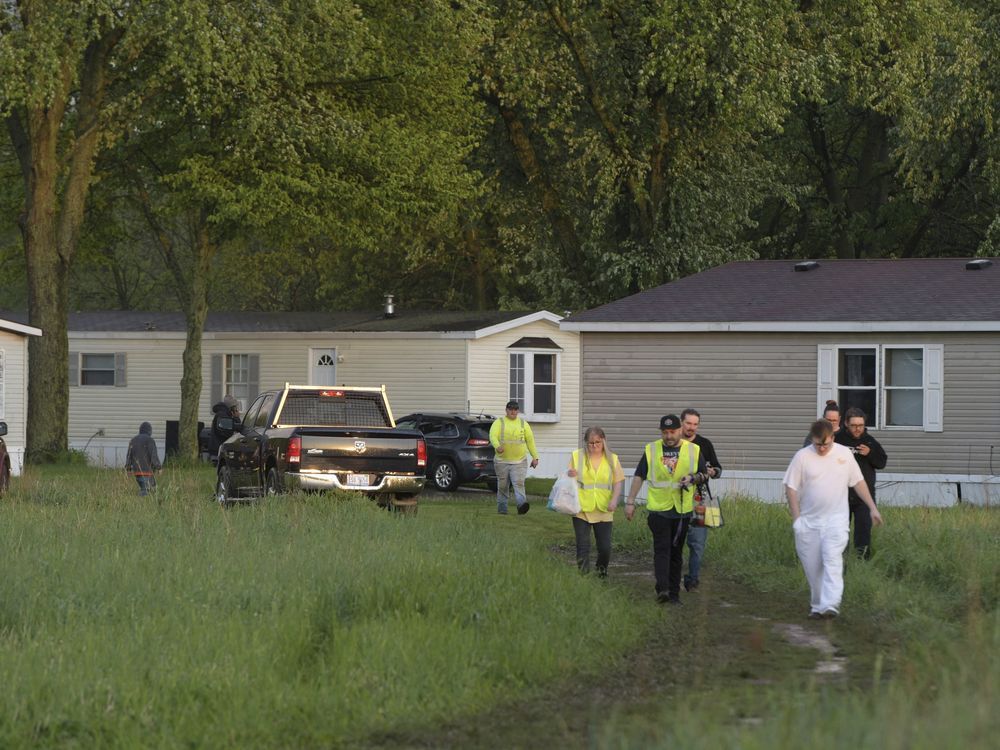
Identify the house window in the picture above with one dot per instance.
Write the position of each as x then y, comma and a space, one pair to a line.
237, 382
97, 369
237, 375
533, 377
896, 386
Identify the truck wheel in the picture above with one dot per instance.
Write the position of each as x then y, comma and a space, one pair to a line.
272, 483
445, 475
224, 487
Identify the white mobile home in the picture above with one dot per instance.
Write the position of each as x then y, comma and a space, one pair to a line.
758, 347
125, 368
14, 387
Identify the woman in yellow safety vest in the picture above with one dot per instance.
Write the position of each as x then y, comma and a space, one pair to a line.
599, 477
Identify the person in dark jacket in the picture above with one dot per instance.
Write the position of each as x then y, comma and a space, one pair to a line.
870, 456
697, 536
228, 407
143, 460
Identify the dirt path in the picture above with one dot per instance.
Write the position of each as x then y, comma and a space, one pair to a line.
722, 636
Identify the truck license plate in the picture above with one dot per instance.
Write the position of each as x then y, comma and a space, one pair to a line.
357, 480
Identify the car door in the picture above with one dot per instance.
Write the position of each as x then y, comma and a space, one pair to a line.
253, 442
243, 448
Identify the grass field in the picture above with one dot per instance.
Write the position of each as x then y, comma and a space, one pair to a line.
310, 621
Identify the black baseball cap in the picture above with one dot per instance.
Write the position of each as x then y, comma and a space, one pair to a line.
512, 404
670, 422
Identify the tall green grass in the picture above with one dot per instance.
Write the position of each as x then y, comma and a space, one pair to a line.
928, 602
298, 621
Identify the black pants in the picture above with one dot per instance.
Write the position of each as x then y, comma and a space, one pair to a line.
862, 527
602, 534
668, 551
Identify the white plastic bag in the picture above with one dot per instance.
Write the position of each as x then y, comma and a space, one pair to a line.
564, 498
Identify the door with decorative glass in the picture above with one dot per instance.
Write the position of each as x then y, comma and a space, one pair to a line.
323, 367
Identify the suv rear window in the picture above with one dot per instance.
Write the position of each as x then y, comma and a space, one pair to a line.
349, 409
480, 431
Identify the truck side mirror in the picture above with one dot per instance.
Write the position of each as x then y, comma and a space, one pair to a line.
228, 424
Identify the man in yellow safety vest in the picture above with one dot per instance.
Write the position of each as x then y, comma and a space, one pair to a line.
673, 467
512, 439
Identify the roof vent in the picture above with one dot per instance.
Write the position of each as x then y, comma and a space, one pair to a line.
979, 264
806, 265
390, 306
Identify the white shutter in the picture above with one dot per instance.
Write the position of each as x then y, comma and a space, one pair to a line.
253, 377
74, 368
933, 388
216, 388
120, 369
826, 368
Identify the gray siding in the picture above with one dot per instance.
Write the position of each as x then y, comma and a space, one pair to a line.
757, 393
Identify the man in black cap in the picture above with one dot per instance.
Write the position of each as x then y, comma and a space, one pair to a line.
512, 440
673, 467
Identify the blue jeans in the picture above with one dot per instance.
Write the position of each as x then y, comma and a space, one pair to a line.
507, 475
146, 484
696, 539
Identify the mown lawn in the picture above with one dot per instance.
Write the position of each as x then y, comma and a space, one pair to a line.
311, 621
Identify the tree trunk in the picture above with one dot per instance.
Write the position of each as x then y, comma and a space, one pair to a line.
195, 315
561, 222
35, 140
57, 168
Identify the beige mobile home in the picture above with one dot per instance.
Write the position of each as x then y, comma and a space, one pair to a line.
125, 368
758, 347
14, 387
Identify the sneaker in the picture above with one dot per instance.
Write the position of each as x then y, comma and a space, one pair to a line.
815, 616
523, 508
829, 614
674, 600
662, 597
690, 586
502, 512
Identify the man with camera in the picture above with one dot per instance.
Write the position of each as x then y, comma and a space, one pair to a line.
870, 456
697, 536
673, 467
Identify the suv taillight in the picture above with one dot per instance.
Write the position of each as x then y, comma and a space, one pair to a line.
477, 442
421, 453
294, 450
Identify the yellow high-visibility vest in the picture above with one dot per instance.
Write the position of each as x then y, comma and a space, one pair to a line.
593, 485
665, 492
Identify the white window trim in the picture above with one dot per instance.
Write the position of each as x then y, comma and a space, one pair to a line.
119, 369
528, 402
828, 357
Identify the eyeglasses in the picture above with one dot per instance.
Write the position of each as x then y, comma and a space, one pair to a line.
595, 442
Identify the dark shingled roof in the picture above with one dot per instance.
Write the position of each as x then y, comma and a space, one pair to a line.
918, 289
405, 321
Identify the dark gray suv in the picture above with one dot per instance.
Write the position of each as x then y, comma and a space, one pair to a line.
458, 448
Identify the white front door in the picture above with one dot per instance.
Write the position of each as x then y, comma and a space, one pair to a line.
323, 367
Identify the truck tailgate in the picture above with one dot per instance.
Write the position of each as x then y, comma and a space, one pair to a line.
359, 450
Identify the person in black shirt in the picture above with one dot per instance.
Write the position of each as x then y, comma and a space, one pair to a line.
870, 456
697, 536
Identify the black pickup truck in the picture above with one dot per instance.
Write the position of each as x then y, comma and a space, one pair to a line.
322, 438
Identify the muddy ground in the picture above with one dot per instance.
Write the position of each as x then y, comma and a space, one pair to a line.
730, 643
